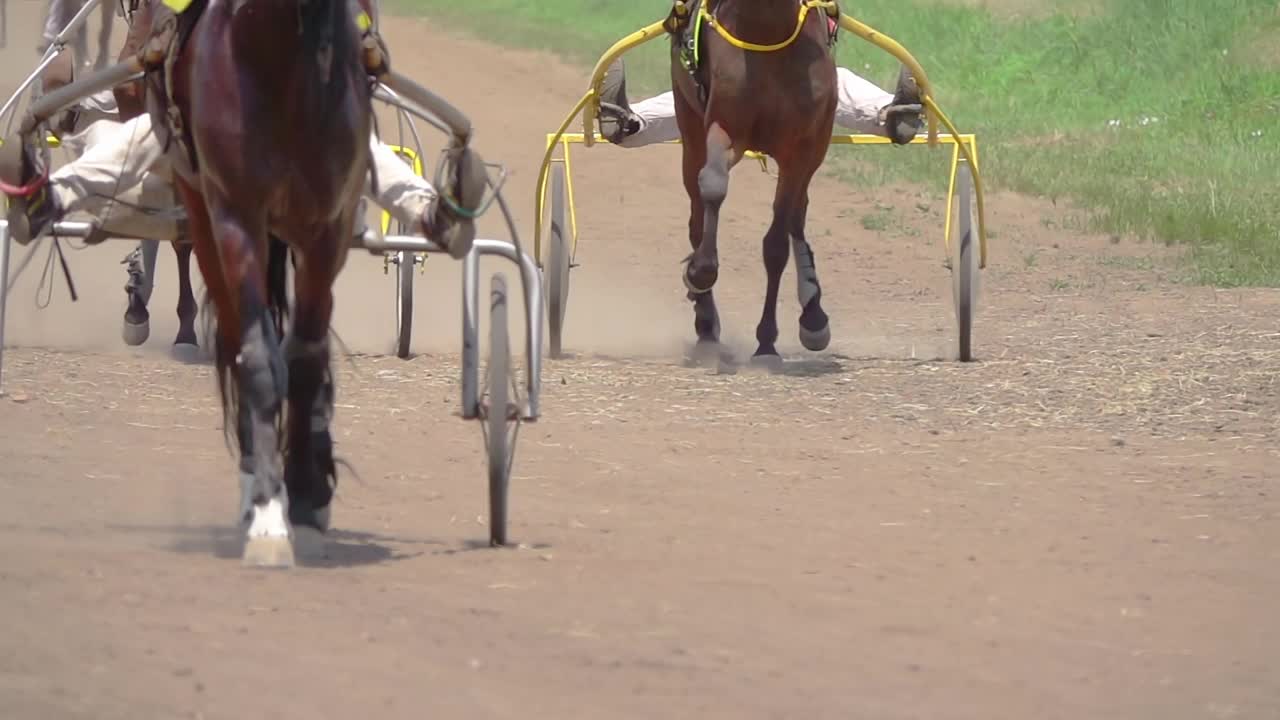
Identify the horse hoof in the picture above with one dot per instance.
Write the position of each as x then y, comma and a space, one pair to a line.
315, 519
815, 340
322, 517
268, 551
186, 353
767, 361
136, 334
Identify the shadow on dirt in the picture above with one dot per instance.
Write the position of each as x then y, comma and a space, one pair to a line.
335, 549
475, 545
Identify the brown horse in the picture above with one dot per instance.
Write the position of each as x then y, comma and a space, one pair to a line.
780, 102
272, 135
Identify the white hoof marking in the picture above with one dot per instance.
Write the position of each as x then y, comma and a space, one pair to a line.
269, 542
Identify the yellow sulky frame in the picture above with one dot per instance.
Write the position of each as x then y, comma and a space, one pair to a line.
964, 146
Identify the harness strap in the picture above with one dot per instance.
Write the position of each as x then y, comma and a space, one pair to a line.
829, 6
29, 189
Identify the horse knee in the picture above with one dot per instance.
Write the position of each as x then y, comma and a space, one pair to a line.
713, 185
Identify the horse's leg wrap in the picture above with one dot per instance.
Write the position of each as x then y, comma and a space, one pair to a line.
262, 380
807, 286
815, 326
310, 473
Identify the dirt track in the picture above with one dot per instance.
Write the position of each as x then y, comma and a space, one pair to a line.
1081, 525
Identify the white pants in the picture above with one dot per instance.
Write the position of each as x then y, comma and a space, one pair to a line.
126, 162
857, 110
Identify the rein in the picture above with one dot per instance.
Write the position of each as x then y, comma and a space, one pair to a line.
829, 6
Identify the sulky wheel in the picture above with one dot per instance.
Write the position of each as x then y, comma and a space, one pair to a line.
964, 262
499, 442
404, 301
557, 264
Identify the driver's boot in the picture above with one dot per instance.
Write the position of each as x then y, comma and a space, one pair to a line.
455, 234
32, 207
901, 117
617, 122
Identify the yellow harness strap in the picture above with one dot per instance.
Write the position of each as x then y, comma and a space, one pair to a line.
827, 5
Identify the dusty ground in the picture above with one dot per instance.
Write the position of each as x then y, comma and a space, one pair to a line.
1081, 525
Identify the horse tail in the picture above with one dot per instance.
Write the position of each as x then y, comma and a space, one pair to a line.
224, 367
277, 282
328, 28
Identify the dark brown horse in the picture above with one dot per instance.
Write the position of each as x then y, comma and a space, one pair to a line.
275, 114
780, 102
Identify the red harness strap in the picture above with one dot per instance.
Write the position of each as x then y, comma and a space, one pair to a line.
28, 190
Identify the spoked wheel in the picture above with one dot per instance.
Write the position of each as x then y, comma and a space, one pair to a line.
964, 259
500, 410
557, 264
404, 303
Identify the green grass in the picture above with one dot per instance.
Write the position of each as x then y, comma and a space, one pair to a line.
1041, 95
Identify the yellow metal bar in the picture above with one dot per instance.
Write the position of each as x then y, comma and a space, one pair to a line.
573, 211
853, 139
965, 146
540, 193
977, 182
951, 194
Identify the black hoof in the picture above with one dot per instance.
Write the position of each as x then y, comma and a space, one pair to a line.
304, 515
134, 334
815, 340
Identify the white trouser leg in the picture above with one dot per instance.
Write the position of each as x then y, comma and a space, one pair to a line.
400, 191
657, 122
857, 109
124, 162
859, 103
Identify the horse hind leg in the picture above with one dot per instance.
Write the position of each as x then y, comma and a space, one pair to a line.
141, 266
185, 343
815, 326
